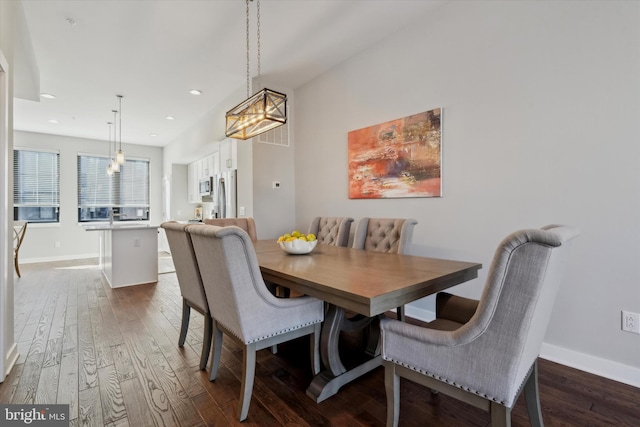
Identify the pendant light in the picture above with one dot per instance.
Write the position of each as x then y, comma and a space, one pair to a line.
109, 168
263, 111
115, 166
120, 153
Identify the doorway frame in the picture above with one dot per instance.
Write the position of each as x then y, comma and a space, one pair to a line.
8, 346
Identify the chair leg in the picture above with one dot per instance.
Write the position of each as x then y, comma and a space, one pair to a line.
500, 415
206, 341
217, 351
392, 388
315, 349
248, 375
186, 312
532, 397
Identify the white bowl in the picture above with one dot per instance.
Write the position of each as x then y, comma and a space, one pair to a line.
298, 247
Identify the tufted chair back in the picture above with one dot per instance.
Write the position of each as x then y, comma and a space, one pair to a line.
390, 235
247, 224
331, 230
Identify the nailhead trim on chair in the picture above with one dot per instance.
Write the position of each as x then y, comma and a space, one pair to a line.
447, 381
285, 330
279, 332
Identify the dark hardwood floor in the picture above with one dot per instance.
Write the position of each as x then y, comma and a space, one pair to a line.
112, 354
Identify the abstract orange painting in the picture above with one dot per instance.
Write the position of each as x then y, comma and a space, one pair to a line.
400, 158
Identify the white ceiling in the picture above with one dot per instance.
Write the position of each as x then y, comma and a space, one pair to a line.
153, 52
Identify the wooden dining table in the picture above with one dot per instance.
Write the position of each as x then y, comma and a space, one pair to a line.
363, 283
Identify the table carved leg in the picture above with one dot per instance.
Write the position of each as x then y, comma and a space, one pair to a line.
335, 375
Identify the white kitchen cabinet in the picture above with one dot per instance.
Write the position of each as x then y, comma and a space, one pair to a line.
228, 154
128, 253
203, 168
193, 181
209, 165
214, 162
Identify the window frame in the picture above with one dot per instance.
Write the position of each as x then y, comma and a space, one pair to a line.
99, 211
50, 208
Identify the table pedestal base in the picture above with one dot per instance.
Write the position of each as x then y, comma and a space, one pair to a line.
325, 385
335, 375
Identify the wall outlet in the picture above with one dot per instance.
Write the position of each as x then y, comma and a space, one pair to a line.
630, 322
276, 184
241, 211
56, 244
136, 242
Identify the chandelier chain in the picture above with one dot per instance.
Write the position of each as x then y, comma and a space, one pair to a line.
258, 15
247, 48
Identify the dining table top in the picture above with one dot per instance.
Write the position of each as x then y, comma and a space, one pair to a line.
365, 282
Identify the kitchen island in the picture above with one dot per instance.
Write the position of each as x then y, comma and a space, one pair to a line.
128, 253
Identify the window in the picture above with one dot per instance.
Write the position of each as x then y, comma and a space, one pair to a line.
36, 185
125, 192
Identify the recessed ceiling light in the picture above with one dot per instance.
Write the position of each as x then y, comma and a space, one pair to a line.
195, 92
170, 118
53, 121
47, 95
153, 134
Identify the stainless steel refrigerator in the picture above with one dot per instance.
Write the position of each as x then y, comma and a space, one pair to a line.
225, 194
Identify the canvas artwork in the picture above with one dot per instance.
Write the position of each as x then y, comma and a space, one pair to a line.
400, 158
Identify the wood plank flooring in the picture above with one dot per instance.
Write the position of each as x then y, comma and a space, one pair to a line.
112, 355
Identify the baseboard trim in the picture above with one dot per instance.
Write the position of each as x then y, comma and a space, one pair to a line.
419, 313
10, 360
594, 365
57, 258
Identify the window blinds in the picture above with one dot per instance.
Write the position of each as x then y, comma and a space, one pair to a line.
127, 188
36, 181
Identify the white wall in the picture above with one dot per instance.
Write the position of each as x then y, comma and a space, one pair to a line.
75, 242
540, 125
180, 210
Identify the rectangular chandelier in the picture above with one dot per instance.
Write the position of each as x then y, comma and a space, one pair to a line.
263, 111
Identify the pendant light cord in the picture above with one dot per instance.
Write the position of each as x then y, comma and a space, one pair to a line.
120, 110
109, 151
115, 128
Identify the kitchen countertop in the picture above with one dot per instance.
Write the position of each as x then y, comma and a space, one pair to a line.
104, 227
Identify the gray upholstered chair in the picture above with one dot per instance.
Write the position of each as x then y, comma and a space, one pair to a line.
246, 223
331, 230
242, 307
390, 235
190, 282
485, 356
